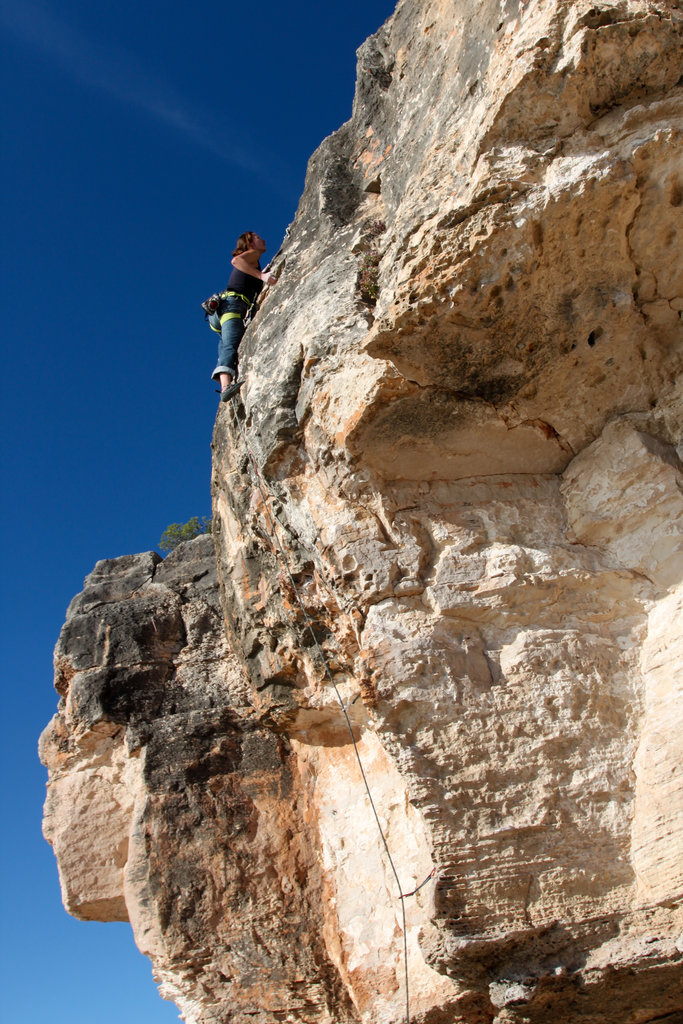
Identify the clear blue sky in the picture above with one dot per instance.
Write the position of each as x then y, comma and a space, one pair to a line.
139, 139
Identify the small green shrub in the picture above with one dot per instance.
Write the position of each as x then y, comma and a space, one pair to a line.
176, 533
367, 278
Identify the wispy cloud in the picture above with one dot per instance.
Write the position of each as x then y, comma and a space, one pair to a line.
120, 75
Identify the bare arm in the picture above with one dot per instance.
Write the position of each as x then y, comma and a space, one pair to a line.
247, 262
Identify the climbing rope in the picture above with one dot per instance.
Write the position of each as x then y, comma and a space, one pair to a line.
309, 626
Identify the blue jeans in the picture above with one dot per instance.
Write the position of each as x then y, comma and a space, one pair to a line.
231, 331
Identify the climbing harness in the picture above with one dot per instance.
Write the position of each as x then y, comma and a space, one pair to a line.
236, 295
213, 303
309, 626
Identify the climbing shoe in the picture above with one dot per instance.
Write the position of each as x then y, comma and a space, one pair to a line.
231, 390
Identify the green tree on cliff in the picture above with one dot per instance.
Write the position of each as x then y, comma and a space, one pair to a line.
176, 533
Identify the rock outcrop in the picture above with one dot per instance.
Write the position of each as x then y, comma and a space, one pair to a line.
450, 497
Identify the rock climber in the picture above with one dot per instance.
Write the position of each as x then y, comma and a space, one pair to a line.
244, 285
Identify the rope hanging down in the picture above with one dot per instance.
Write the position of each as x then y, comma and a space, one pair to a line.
309, 625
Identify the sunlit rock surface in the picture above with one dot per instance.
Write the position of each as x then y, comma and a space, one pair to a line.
463, 504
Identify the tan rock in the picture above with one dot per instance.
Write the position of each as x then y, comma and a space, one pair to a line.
86, 820
625, 496
657, 842
457, 512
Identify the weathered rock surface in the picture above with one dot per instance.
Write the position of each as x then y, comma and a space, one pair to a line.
169, 805
467, 498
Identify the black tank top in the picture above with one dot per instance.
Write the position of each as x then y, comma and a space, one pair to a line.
245, 284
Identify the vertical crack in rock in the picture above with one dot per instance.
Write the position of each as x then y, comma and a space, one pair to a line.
474, 493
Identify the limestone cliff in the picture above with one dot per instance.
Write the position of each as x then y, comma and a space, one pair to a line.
453, 490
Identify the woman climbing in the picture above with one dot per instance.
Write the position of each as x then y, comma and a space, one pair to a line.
245, 283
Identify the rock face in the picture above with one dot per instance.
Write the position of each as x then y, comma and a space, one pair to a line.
451, 497
168, 804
